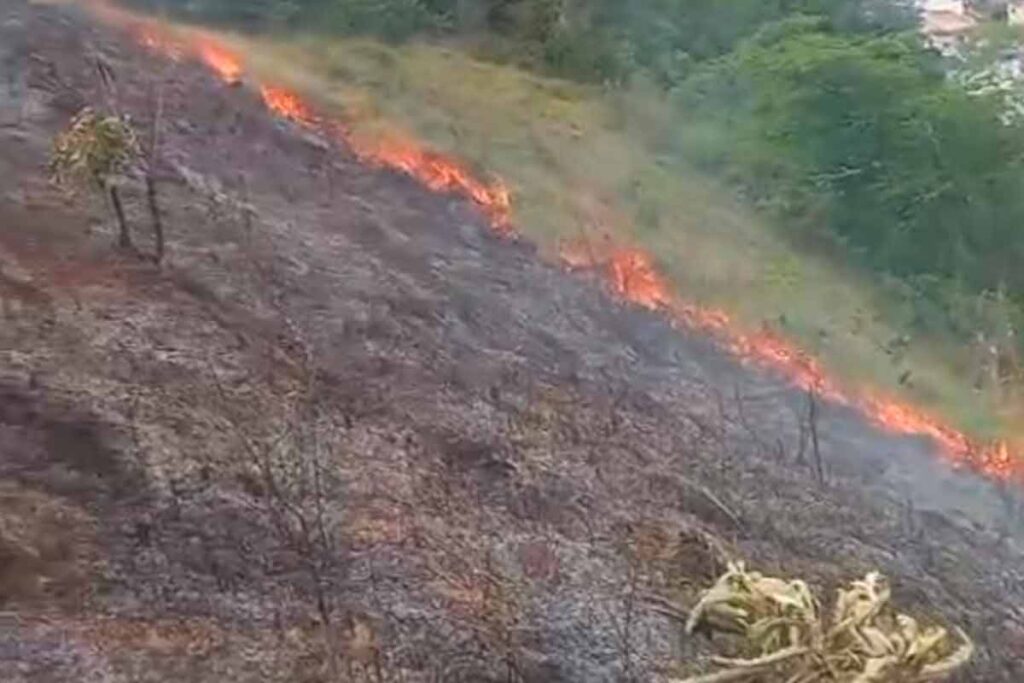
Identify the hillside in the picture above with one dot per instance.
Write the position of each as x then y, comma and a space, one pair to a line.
588, 167
346, 397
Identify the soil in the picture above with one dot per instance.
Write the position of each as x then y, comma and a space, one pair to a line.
343, 399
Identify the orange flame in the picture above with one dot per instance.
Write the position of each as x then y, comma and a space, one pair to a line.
436, 171
225, 63
156, 37
440, 174
632, 276
630, 273
287, 105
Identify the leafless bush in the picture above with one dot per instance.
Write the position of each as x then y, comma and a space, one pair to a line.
284, 463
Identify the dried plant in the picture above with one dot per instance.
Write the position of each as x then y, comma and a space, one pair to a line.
786, 638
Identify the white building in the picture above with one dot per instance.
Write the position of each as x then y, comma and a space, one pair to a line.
1015, 12
946, 22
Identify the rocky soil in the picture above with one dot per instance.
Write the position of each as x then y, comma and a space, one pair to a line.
342, 399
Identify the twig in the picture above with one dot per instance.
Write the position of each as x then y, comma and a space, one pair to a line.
715, 501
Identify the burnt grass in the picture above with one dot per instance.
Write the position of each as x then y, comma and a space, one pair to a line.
511, 476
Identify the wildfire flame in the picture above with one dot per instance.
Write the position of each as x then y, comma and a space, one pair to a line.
440, 174
436, 171
287, 105
225, 63
630, 274
633, 277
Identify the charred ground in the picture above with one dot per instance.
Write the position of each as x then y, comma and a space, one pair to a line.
527, 480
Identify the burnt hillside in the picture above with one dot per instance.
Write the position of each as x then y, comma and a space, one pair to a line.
344, 398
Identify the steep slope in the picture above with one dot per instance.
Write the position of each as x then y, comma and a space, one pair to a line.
507, 475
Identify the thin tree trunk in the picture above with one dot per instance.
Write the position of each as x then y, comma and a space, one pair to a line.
154, 212
154, 151
125, 239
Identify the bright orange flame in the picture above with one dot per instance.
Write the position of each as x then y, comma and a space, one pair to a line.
441, 174
436, 171
633, 277
287, 104
157, 37
769, 349
630, 273
225, 63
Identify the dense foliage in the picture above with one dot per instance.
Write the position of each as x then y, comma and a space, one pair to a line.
867, 137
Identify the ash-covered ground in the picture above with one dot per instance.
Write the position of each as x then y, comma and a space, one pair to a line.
342, 398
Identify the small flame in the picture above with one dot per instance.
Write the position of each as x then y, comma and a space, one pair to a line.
633, 277
440, 174
158, 38
769, 349
225, 63
287, 105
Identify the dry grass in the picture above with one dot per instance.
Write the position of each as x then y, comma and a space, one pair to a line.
45, 548
784, 635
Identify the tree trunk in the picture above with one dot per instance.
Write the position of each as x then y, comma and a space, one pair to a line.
154, 212
124, 239
151, 160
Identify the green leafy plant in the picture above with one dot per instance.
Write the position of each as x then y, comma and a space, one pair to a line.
96, 151
786, 638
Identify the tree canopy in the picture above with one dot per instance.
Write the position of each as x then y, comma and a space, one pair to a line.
913, 172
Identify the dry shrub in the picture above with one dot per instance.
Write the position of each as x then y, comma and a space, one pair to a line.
784, 636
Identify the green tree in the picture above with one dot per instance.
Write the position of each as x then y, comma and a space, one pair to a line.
96, 151
868, 136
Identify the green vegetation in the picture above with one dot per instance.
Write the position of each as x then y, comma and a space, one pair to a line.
807, 164
867, 140
95, 151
